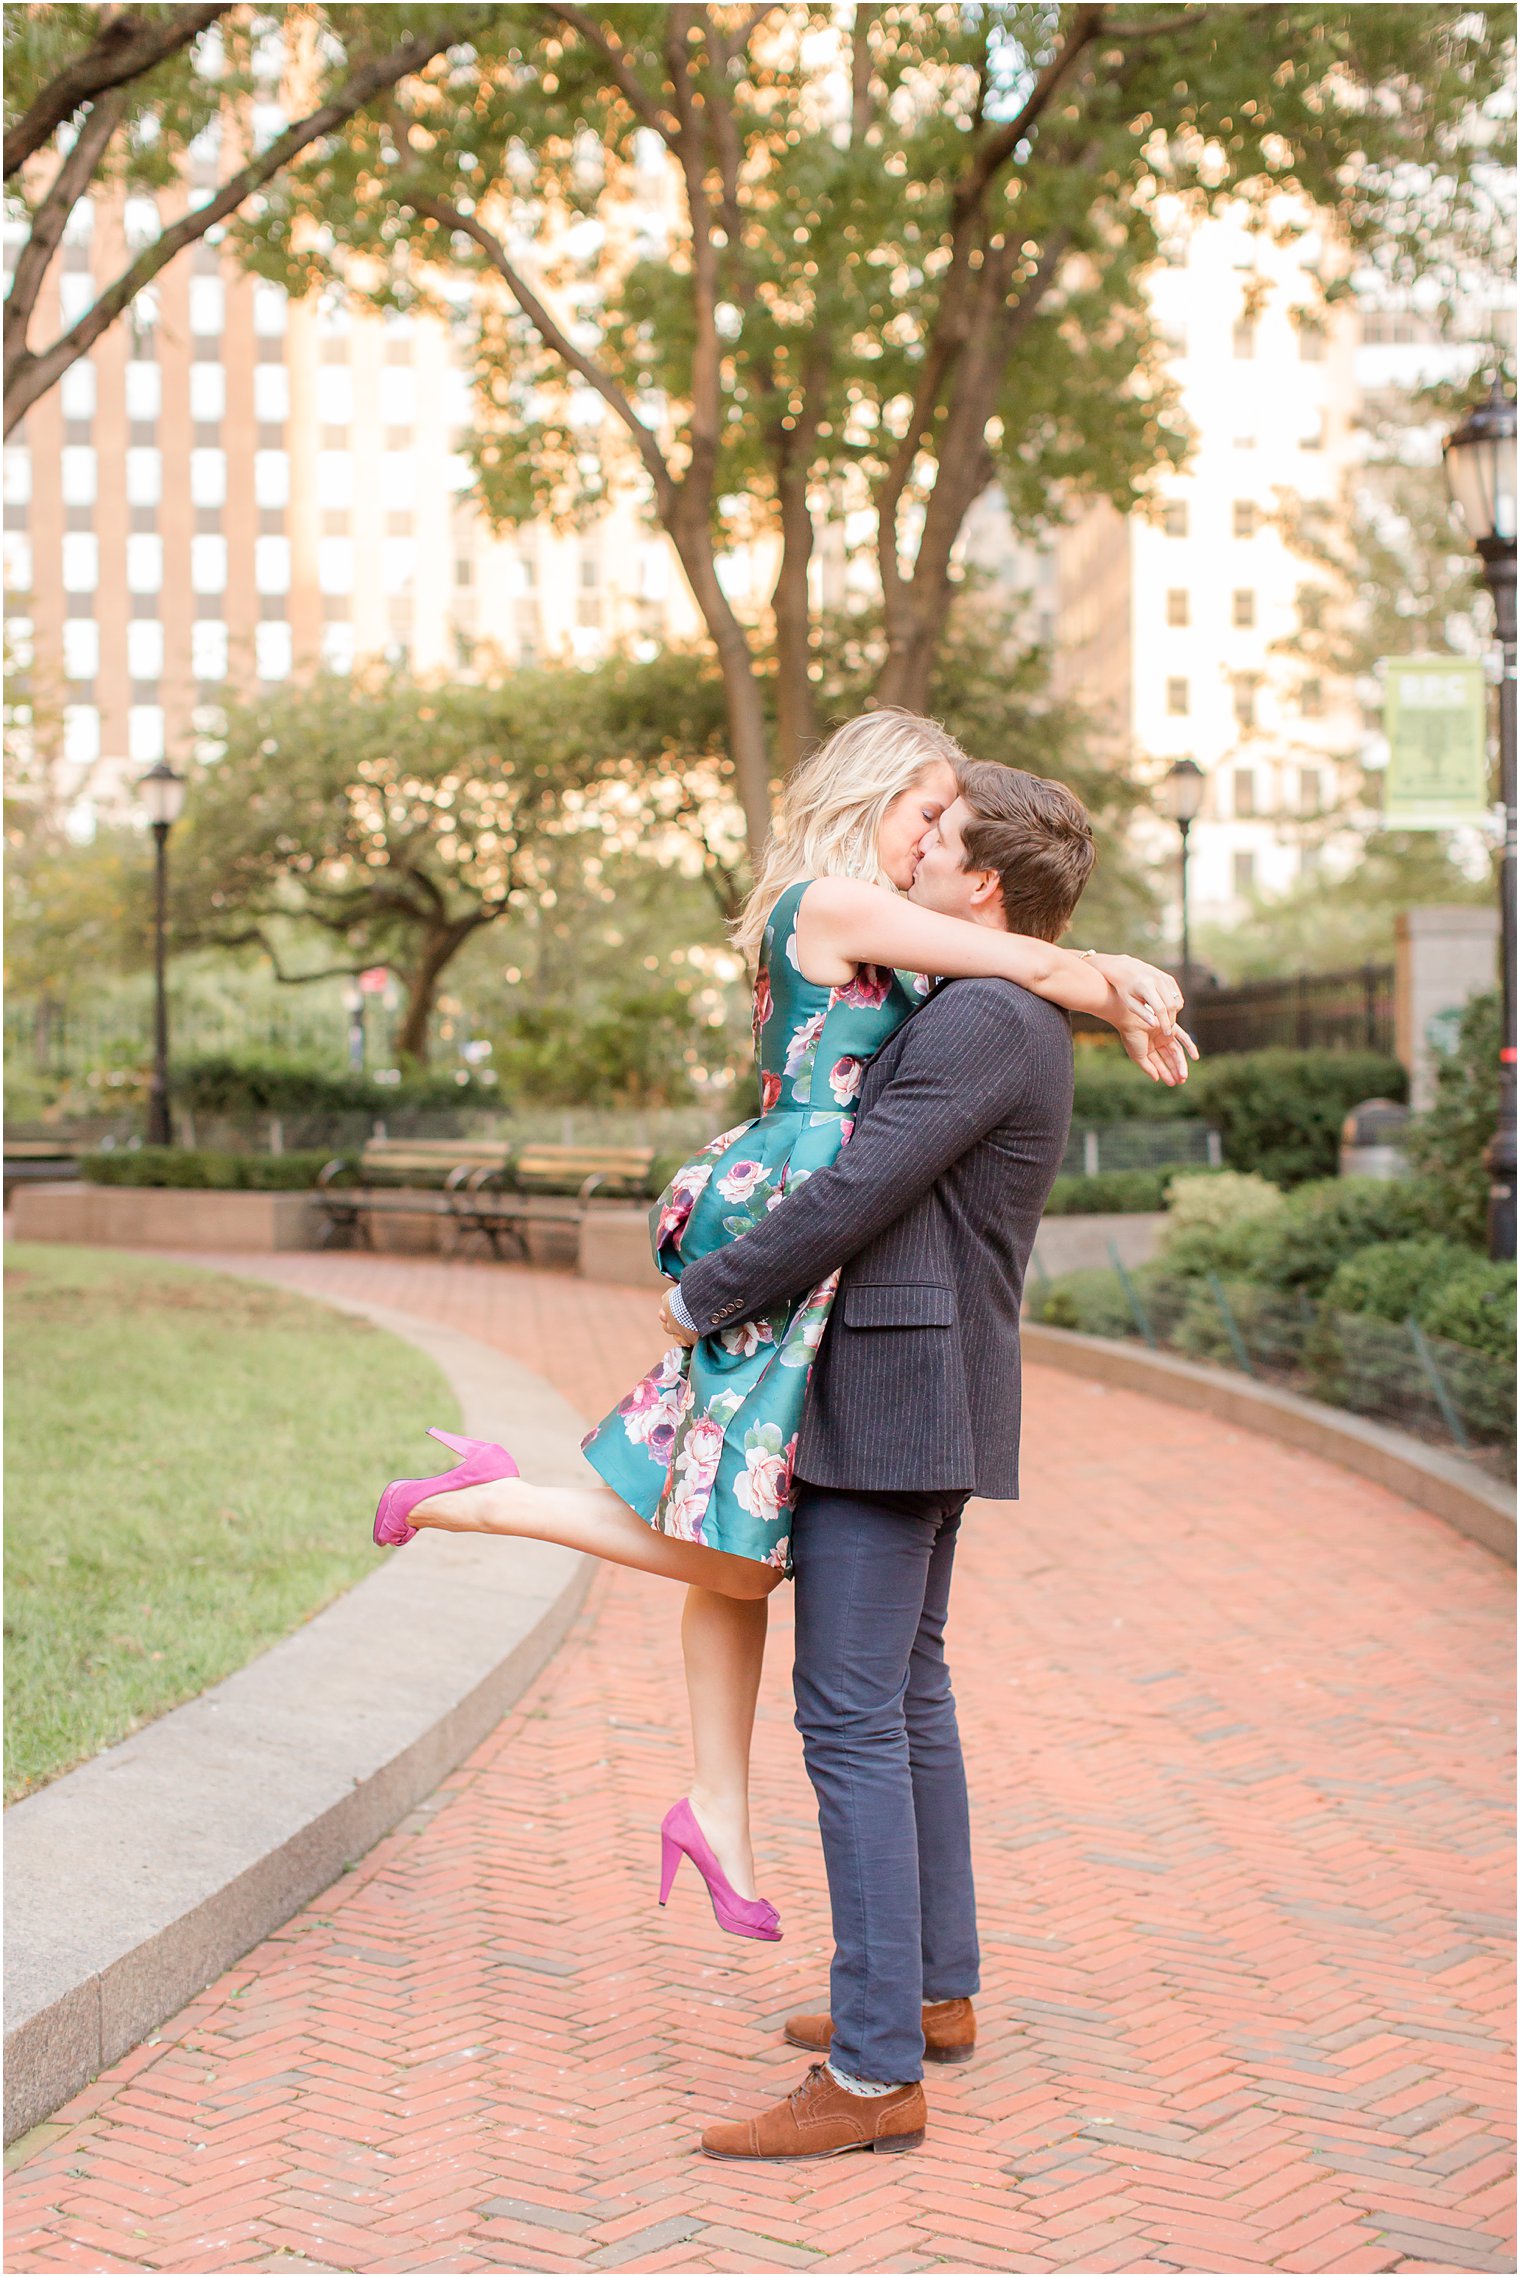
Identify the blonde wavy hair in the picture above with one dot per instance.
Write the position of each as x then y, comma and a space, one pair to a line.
832, 809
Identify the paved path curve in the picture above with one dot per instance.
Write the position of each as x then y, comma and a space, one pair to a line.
1238, 1743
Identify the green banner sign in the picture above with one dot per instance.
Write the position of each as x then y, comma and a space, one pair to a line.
1435, 715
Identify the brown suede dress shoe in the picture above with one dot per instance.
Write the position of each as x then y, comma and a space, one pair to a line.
821, 2119
949, 2032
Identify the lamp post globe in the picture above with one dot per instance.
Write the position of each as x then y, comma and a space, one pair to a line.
1182, 790
163, 796
1480, 472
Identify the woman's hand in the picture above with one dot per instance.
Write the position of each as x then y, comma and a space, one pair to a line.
1164, 1058
675, 1329
1150, 998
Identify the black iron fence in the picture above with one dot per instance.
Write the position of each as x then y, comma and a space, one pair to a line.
1335, 1011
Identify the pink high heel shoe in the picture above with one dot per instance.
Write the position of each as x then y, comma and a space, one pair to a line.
483, 1463
741, 1917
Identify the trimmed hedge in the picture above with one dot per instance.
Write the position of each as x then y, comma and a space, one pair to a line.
1279, 1112
253, 1087
203, 1167
1109, 1190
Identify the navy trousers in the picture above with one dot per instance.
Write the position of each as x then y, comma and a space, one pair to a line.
883, 1751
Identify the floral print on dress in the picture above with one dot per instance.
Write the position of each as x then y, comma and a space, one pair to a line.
704, 1448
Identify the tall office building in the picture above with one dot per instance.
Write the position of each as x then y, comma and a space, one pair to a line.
1180, 627
235, 486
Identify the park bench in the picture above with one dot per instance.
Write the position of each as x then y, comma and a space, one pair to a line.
29, 1160
547, 1185
385, 1166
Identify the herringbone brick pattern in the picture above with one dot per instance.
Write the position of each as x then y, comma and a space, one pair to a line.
1237, 1729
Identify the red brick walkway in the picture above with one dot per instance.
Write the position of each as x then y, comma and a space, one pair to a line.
1237, 1730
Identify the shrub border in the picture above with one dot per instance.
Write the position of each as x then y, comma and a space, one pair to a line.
132, 1882
1449, 1488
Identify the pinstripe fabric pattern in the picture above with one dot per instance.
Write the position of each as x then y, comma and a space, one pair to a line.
932, 1210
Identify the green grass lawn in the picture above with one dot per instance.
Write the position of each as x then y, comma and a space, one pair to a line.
192, 1467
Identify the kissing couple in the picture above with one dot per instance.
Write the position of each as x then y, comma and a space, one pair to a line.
847, 1268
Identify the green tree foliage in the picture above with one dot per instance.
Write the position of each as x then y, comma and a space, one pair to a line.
395, 821
97, 99
781, 268
1446, 1144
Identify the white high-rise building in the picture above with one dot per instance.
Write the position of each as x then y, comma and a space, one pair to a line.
1179, 627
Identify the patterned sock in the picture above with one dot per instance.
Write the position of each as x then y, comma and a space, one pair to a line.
854, 2086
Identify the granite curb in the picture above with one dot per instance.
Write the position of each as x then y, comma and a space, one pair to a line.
132, 1882
1445, 1485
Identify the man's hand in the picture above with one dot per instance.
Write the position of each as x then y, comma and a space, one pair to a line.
1164, 1058
675, 1329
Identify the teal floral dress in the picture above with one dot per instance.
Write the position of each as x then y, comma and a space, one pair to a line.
703, 1446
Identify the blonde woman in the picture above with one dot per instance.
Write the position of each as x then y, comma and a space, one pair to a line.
695, 1463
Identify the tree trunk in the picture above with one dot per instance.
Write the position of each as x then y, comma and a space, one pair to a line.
748, 742
440, 945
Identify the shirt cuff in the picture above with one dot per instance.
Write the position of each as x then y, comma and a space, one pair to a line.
678, 1308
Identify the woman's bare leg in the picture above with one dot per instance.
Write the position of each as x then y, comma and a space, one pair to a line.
593, 1519
723, 1640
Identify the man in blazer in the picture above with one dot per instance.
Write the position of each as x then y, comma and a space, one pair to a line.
913, 1406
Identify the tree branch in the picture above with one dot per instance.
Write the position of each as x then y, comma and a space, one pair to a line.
553, 335
68, 186
127, 47
30, 376
632, 88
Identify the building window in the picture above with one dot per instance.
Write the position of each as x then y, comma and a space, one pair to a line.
398, 396
1313, 439
208, 648
76, 389
271, 394
145, 562
271, 478
208, 563
271, 569
1243, 339
81, 648
335, 395
81, 734
145, 733
77, 472
464, 570
1243, 607
398, 481
81, 561
1244, 518
1244, 691
76, 296
272, 649
269, 306
145, 649
1177, 605
1175, 519
335, 565
335, 481
1177, 698
398, 564
1311, 340
207, 306
208, 392
338, 647
1311, 699
18, 563
591, 573
208, 478
144, 391
145, 476
1245, 791
1311, 607
18, 474
1244, 866
1311, 790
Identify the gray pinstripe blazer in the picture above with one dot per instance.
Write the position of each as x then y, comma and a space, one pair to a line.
932, 1210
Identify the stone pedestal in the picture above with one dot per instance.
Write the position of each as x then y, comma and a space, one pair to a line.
1445, 955
614, 1246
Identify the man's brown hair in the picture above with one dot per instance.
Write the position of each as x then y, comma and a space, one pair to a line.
1036, 835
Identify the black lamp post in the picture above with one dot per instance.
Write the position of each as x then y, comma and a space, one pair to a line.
1183, 790
1480, 470
163, 794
